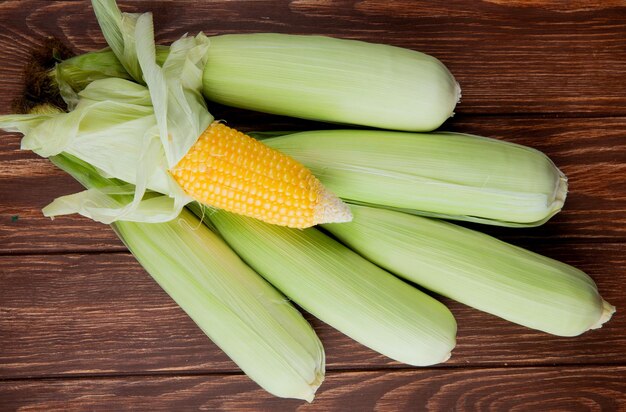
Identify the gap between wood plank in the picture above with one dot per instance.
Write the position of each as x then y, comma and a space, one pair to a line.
538, 243
329, 371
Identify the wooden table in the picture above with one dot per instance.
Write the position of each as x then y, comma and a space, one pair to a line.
82, 326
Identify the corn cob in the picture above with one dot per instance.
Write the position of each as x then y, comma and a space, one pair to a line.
231, 171
312, 77
478, 270
449, 175
244, 315
344, 290
328, 79
162, 138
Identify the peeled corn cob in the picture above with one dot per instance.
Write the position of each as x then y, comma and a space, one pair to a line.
449, 175
244, 315
234, 172
478, 270
344, 290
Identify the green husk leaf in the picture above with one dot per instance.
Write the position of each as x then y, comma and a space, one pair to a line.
451, 175
330, 79
73, 75
245, 316
477, 270
344, 290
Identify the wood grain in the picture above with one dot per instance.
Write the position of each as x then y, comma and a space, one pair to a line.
501, 389
83, 327
102, 314
520, 57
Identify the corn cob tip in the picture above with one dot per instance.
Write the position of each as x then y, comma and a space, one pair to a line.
607, 312
331, 209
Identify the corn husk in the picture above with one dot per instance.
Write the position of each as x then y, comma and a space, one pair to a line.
478, 270
344, 290
449, 175
245, 316
312, 77
329, 79
127, 131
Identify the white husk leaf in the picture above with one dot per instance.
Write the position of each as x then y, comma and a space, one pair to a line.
175, 89
125, 130
119, 31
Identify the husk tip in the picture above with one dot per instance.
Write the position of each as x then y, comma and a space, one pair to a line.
607, 312
309, 394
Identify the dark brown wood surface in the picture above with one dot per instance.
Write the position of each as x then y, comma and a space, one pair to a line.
83, 327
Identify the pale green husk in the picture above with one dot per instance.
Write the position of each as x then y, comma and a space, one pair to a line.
244, 315
311, 77
329, 79
110, 128
478, 270
74, 74
344, 290
248, 319
126, 130
175, 87
444, 174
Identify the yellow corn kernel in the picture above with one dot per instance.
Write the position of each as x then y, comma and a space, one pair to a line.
229, 170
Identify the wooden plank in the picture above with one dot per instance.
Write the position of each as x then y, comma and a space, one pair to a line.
592, 152
501, 389
69, 315
510, 57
